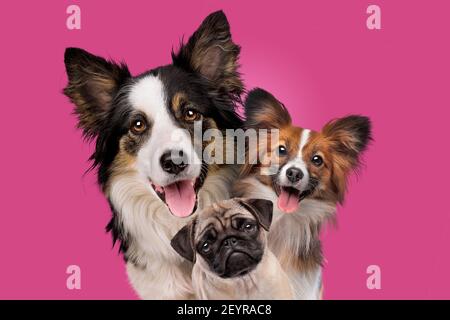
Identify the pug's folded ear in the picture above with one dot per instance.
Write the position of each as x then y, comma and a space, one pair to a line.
183, 242
261, 209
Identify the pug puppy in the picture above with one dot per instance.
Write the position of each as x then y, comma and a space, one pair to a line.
227, 242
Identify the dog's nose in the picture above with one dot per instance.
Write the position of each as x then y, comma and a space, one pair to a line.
294, 175
230, 242
173, 161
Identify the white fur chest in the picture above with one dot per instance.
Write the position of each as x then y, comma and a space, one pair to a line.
291, 233
155, 270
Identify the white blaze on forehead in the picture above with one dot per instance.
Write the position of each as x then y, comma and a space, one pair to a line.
298, 163
304, 138
148, 95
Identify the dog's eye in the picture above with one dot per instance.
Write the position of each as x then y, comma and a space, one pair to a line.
282, 151
249, 227
206, 247
138, 126
192, 115
317, 160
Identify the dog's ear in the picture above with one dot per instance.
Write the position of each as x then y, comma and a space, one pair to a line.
211, 53
348, 137
183, 242
261, 209
263, 110
93, 83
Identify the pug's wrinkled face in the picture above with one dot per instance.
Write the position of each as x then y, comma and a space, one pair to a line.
231, 242
227, 238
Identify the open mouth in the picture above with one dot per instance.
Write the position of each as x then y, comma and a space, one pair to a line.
180, 196
289, 198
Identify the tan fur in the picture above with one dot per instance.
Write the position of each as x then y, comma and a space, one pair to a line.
123, 164
177, 101
141, 221
333, 174
156, 270
266, 281
293, 238
93, 82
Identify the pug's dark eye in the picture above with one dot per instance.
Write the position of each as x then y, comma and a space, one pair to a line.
138, 126
282, 151
317, 160
249, 227
191, 115
206, 247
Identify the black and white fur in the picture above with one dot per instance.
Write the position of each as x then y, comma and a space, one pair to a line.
111, 106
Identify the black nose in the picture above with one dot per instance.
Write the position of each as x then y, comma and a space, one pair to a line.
173, 161
294, 174
230, 242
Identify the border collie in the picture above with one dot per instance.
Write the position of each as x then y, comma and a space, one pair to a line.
152, 180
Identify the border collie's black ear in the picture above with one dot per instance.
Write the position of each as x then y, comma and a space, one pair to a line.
93, 83
263, 110
261, 209
349, 136
183, 242
211, 52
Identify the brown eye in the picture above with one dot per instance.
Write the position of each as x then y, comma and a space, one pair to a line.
317, 160
249, 227
206, 247
282, 151
138, 126
191, 115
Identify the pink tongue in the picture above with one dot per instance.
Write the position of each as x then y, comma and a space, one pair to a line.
287, 201
180, 197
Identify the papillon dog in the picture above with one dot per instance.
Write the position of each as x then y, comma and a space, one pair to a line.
305, 174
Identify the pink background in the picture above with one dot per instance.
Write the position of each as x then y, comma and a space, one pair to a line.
316, 56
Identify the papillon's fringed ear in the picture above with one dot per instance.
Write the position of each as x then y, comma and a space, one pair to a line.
183, 242
93, 83
211, 52
349, 137
261, 209
263, 110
